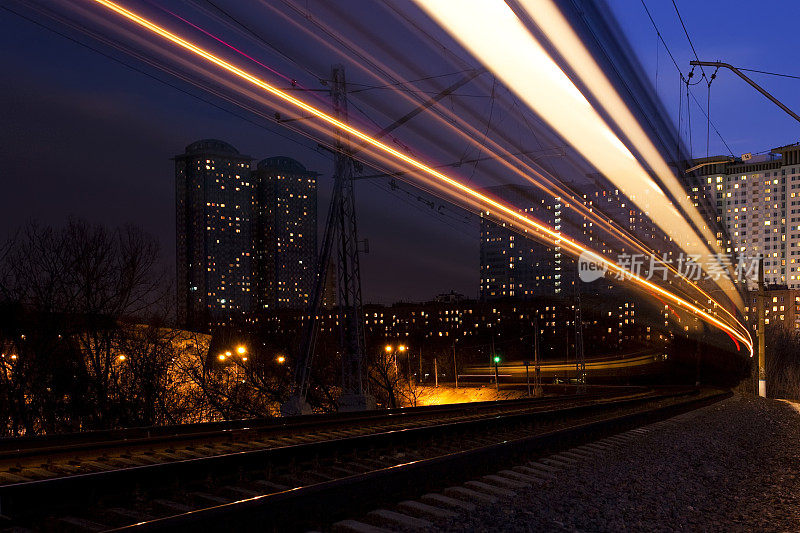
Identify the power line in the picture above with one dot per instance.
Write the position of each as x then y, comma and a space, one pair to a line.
684, 79
691, 44
771, 73
156, 78
655, 27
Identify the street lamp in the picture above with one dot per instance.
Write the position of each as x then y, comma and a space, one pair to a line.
280, 359
241, 350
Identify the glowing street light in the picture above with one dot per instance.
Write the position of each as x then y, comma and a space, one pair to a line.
222, 356
388, 348
241, 350
280, 359
401, 348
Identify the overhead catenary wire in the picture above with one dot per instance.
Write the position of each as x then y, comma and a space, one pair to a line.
683, 78
770, 73
161, 81
688, 38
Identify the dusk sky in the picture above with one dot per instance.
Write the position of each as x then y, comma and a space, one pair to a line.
83, 135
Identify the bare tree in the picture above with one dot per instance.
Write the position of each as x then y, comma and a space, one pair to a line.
71, 294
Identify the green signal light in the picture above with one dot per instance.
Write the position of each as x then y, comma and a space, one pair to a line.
496, 358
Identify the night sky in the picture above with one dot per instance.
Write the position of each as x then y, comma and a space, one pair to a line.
83, 135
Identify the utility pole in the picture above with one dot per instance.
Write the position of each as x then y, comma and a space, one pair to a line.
341, 225
527, 376
757, 87
762, 367
436, 372
580, 360
419, 377
355, 394
408, 365
537, 367
492, 358
455, 367
496, 374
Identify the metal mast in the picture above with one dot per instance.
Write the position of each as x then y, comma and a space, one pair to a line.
580, 360
341, 233
354, 381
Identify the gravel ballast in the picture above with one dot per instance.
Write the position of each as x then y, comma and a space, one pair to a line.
732, 466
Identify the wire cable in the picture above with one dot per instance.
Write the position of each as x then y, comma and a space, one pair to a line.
685, 31
771, 73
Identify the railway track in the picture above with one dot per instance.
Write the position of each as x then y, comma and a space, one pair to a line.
46, 457
302, 473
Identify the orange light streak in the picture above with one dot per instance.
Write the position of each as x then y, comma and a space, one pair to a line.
502, 155
575, 247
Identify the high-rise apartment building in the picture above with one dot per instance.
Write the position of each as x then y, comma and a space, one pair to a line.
246, 240
757, 198
213, 196
514, 266
286, 234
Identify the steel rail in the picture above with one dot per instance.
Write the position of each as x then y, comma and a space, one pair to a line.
57, 495
318, 505
19, 447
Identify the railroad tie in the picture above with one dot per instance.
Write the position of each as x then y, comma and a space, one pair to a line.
241, 491
492, 489
558, 461
464, 493
82, 523
506, 482
173, 506
393, 518
210, 498
277, 487
420, 510
129, 514
539, 465
531, 480
354, 526
534, 472
440, 500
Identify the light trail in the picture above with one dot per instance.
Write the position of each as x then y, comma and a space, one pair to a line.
493, 34
508, 212
538, 177
551, 21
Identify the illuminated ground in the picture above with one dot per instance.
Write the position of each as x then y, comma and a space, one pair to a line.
444, 394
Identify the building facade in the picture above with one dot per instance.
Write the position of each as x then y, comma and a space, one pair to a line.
781, 308
246, 240
515, 266
286, 234
757, 198
214, 206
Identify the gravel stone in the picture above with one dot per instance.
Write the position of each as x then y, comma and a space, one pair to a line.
732, 466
